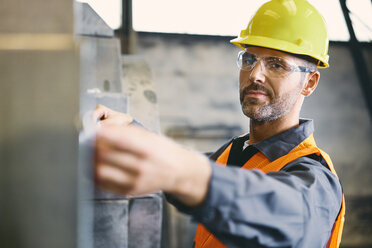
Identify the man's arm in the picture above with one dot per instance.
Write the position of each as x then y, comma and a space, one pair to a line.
130, 160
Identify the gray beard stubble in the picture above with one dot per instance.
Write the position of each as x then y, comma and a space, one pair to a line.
269, 112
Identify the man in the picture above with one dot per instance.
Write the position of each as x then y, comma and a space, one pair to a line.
287, 193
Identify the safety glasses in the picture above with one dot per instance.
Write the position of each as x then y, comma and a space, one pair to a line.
273, 66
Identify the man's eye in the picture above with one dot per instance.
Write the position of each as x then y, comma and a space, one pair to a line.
248, 59
276, 65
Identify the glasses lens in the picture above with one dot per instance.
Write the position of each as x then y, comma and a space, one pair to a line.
246, 61
273, 66
277, 66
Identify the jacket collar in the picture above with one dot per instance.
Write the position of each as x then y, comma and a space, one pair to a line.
282, 143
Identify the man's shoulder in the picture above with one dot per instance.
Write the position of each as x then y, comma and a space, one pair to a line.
312, 164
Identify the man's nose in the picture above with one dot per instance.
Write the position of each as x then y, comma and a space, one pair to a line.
257, 74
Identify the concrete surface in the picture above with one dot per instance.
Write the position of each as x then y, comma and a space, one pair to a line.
38, 138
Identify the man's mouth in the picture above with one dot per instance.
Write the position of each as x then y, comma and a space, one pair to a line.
255, 93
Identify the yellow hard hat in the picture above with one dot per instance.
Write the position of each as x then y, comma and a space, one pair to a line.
292, 26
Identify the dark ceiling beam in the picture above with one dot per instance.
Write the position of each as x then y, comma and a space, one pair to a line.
359, 60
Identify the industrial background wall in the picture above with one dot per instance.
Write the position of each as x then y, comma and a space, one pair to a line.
196, 80
54, 64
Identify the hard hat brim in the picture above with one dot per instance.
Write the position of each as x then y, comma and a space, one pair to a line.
280, 45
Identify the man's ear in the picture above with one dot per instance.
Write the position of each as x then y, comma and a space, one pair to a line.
311, 82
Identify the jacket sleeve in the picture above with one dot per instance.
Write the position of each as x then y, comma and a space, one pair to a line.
297, 205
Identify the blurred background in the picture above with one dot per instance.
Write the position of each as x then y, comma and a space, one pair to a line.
171, 66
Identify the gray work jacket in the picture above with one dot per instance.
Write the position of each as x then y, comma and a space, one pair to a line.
294, 207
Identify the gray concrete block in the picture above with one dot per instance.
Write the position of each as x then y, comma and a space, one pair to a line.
145, 221
38, 144
95, 214
111, 224
100, 64
115, 101
38, 16
88, 22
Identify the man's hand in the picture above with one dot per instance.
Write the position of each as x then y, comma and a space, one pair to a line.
107, 116
133, 161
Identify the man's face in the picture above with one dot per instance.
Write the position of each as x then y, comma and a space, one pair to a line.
264, 95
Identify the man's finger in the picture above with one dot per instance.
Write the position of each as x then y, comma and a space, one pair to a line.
125, 161
114, 179
130, 139
101, 112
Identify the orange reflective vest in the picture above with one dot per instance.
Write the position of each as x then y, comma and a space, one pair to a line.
204, 239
